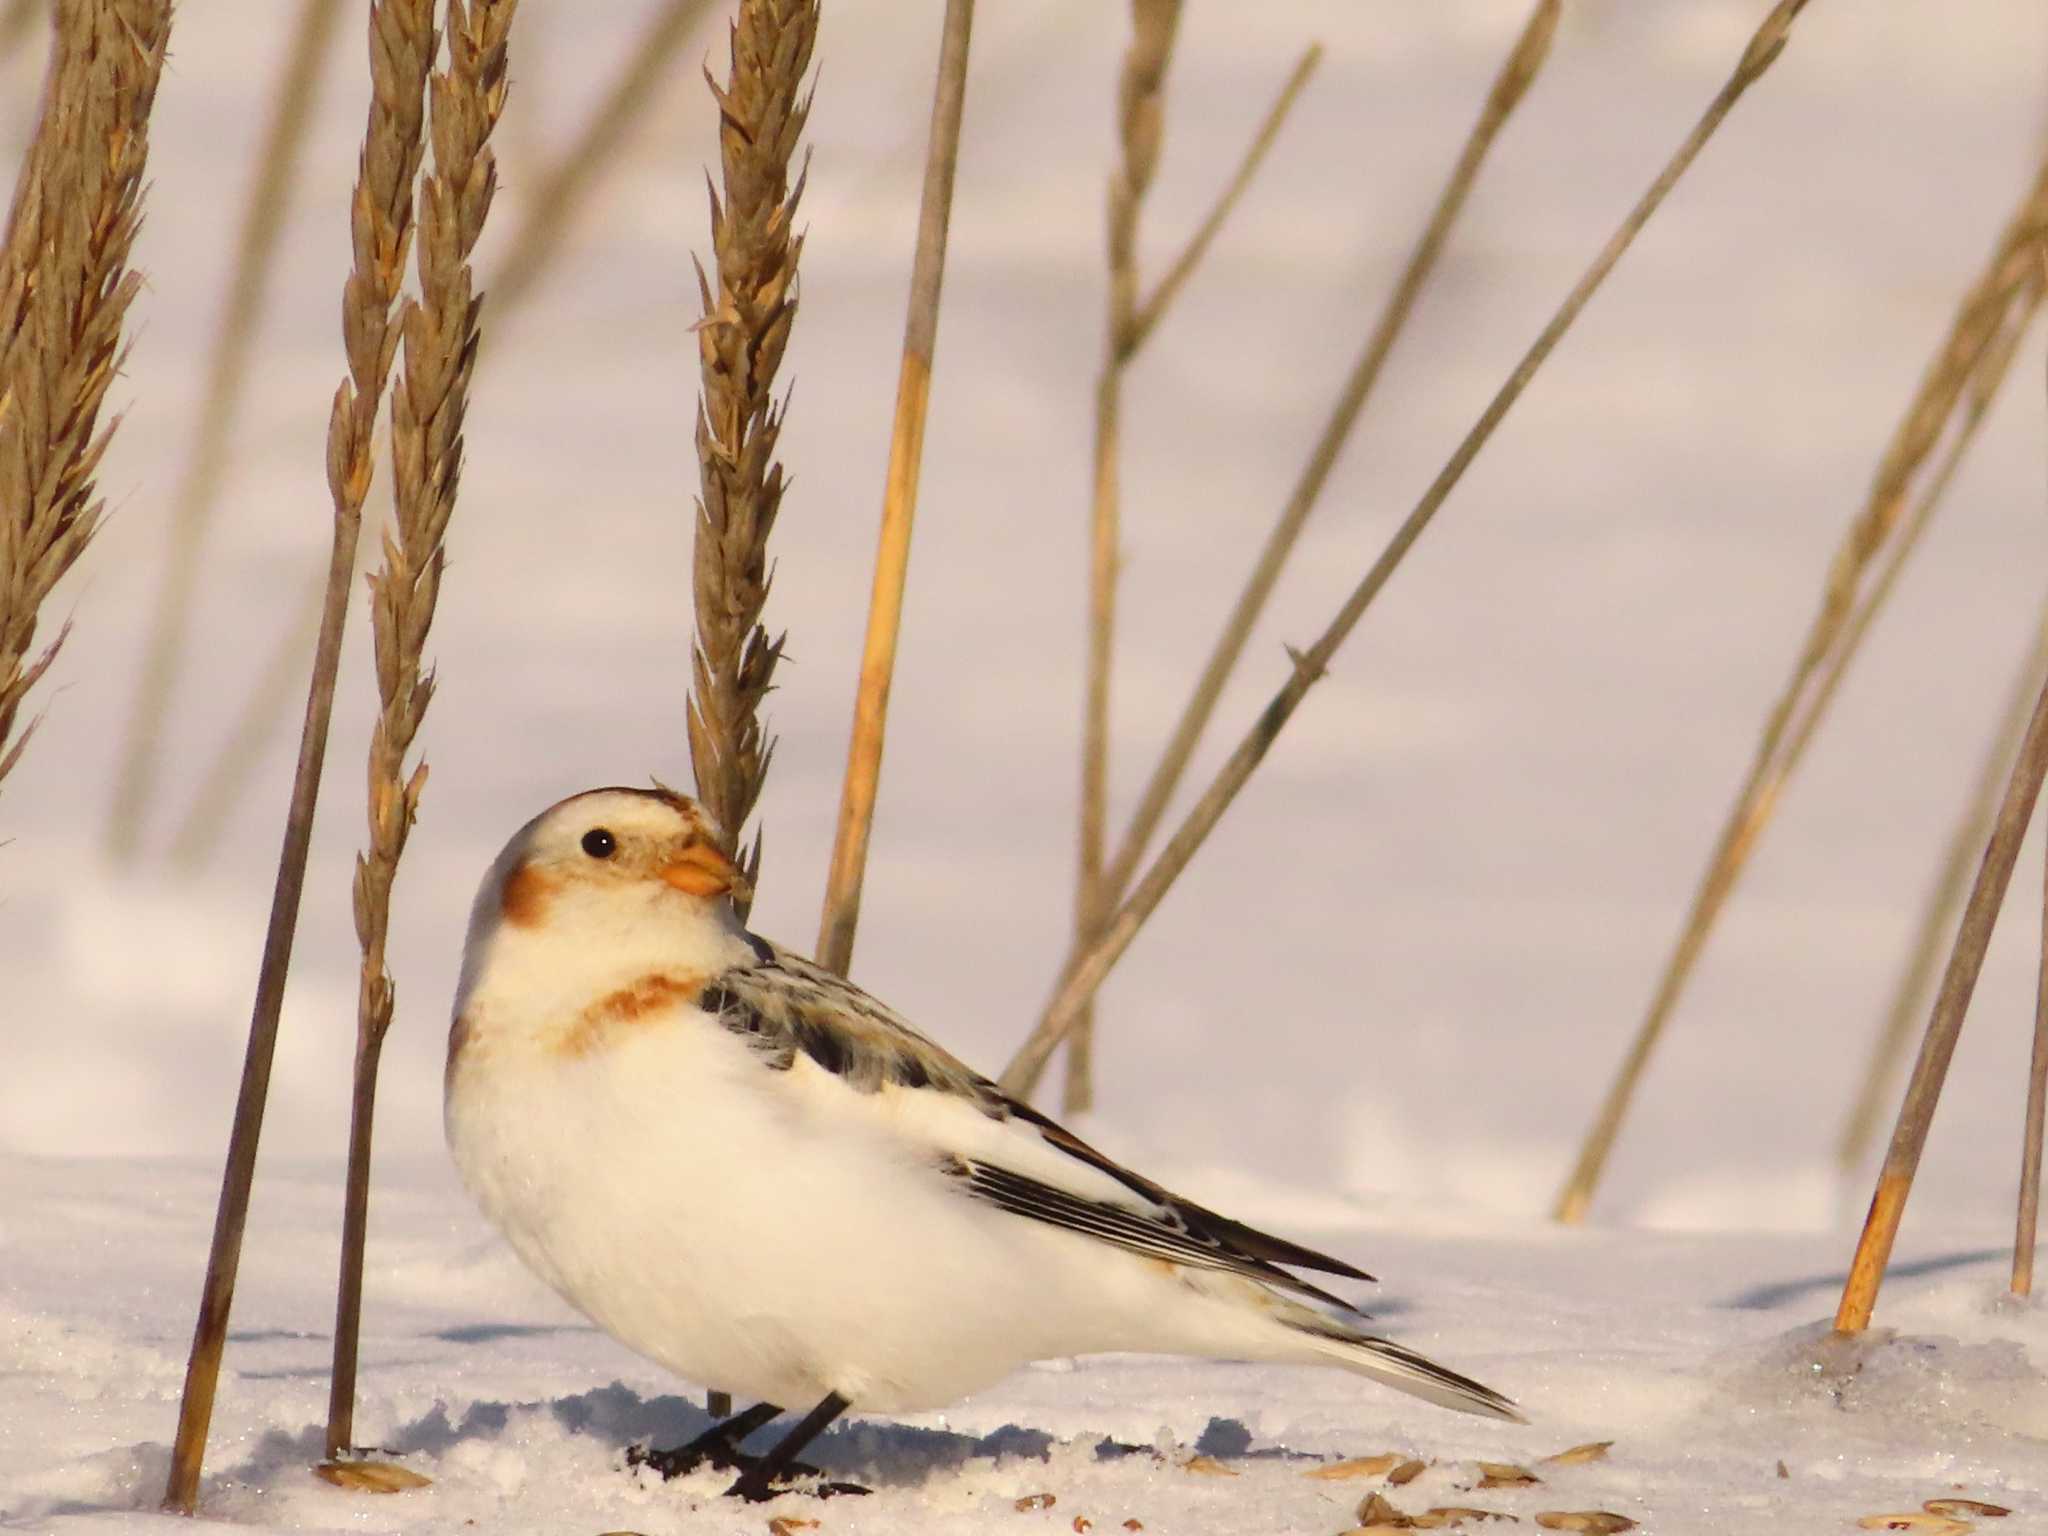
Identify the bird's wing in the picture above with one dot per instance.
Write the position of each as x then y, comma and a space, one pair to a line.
999, 1149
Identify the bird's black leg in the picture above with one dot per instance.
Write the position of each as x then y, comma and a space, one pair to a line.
718, 1446
757, 1482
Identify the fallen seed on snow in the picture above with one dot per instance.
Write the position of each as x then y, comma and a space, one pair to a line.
1083, 1525
1036, 1501
370, 1476
1357, 1466
1966, 1507
1134, 1525
1782, 1472
1406, 1473
1592, 1450
1916, 1520
1601, 1521
1505, 1474
1208, 1465
788, 1525
1375, 1510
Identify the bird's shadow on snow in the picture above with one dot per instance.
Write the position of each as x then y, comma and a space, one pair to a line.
877, 1451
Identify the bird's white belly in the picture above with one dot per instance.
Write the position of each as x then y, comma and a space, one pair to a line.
714, 1215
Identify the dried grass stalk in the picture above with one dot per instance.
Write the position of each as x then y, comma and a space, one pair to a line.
1141, 115
402, 46
746, 324
1086, 972
2032, 1128
2008, 285
428, 405
1517, 74
863, 779
65, 289
1944, 1028
1915, 987
1131, 323
291, 111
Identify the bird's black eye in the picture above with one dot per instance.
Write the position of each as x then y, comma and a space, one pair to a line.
599, 843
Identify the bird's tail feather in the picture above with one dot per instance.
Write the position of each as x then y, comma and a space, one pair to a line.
1404, 1369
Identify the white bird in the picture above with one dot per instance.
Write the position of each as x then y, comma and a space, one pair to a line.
746, 1169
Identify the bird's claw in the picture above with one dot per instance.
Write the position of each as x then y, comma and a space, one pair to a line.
796, 1478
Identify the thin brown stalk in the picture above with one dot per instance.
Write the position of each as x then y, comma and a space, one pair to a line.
65, 289
746, 325
2010, 279
402, 45
2029, 1215
1086, 973
1141, 115
428, 405
1937, 921
1915, 986
899, 500
1130, 323
1944, 1027
1517, 73
550, 212
1168, 288
292, 101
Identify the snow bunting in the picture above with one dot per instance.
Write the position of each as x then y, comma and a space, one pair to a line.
746, 1169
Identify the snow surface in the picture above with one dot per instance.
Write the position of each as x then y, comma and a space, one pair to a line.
1377, 1011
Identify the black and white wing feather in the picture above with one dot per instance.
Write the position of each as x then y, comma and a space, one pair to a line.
786, 1007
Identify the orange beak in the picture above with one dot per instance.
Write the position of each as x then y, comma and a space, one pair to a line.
701, 870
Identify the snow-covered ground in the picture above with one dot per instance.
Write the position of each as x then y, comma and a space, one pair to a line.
1377, 1011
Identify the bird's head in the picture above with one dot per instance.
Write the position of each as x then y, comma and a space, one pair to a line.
607, 882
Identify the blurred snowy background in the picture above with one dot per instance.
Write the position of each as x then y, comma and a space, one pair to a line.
1407, 963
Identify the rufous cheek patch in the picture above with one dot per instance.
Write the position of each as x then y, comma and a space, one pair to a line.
643, 1002
524, 901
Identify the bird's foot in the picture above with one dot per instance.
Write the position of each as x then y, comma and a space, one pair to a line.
757, 1485
713, 1448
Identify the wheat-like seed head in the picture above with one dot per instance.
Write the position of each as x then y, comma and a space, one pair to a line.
745, 328
428, 404
65, 288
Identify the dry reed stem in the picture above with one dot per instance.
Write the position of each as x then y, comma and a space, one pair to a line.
402, 46
1916, 981
1183, 266
1141, 114
429, 402
65, 290
551, 211
1518, 72
1087, 971
2010, 279
1944, 1027
1126, 336
841, 914
2036, 1121
746, 325
1938, 916
263, 216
